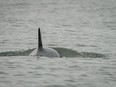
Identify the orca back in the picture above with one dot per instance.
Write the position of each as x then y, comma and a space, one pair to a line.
44, 51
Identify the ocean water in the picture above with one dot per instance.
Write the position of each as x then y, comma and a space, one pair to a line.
87, 27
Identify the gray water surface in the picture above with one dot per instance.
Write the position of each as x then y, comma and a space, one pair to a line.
86, 26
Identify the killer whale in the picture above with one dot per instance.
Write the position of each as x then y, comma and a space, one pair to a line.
43, 51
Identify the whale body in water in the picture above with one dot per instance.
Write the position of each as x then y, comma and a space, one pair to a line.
44, 51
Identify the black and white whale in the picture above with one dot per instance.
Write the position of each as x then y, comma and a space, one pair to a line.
43, 51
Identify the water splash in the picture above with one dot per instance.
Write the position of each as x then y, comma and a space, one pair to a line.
17, 53
64, 52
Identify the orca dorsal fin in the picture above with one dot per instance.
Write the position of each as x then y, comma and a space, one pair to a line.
39, 39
